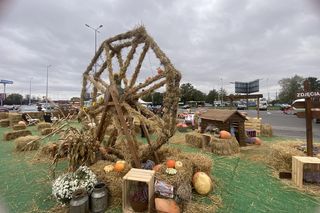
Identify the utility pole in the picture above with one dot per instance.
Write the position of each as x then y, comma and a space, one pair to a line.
47, 87
96, 30
30, 93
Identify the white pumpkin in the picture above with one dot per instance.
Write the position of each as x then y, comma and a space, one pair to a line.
92, 125
108, 168
178, 165
202, 183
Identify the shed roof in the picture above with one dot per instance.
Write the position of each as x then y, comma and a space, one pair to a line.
220, 114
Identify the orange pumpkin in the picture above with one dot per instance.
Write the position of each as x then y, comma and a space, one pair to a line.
171, 163
257, 141
225, 134
119, 167
166, 205
157, 167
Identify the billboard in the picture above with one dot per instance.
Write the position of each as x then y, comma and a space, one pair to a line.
6, 82
247, 87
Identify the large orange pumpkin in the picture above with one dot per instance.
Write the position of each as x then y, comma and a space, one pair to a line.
225, 134
171, 163
119, 167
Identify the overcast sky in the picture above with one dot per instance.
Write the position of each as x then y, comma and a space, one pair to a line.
212, 42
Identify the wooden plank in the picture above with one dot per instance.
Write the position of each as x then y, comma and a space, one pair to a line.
315, 114
308, 120
132, 147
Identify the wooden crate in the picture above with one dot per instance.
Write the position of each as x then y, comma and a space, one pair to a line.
137, 175
298, 164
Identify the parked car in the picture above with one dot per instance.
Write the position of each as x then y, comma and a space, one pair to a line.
186, 106
241, 106
3, 109
26, 108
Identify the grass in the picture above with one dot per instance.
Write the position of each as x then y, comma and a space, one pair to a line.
243, 184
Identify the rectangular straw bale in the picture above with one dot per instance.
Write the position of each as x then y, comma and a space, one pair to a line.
14, 118
16, 134
43, 125
4, 115
19, 126
4, 123
194, 139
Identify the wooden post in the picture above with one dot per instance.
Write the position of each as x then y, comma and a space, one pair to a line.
308, 120
258, 108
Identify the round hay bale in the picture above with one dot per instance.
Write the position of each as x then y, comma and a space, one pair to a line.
16, 134
194, 139
22, 143
14, 118
43, 125
19, 126
4, 115
46, 131
113, 180
4, 123
225, 146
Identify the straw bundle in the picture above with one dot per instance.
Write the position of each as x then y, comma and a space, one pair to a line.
194, 139
15, 134
49, 149
4, 115
113, 180
200, 162
19, 126
46, 131
196, 207
4, 123
36, 115
22, 143
280, 157
266, 130
225, 146
43, 125
14, 118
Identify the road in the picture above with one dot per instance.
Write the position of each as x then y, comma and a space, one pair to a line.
286, 125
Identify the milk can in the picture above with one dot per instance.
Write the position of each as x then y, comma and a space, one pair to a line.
99, 198
79, 202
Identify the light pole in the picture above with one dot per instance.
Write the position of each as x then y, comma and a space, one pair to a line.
30, 93
221, 91
96, 30
47, 87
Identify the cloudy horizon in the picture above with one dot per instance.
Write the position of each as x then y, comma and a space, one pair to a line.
212, 42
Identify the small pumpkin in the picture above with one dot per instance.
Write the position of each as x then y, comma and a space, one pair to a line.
225, 134
171, 171
119, 166
108, 168
21, 123
171, 163
178, 165
257, 141
157, 167
202, 183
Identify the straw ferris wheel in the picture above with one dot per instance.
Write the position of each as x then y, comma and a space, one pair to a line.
117, 79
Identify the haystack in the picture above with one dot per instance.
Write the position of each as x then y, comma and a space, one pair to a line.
280, 156
43, 125
49, 150
225, 146
200, 162
194, 139
16, 134
4, 123
266, 130
19, 126
22, 143
46, 131
14, 118
4, 115
113, 180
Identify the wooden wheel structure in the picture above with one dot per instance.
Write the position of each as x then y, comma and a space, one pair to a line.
117, 79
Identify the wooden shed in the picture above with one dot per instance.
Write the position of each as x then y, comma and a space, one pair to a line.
225, 120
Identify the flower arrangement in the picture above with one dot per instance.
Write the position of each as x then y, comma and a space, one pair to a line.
66, 184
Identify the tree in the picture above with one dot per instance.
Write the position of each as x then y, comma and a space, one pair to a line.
223, 93
314, 83
212, 96
156, 98
289, 88
186, 91
13, 98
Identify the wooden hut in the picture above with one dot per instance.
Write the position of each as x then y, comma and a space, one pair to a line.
225, 120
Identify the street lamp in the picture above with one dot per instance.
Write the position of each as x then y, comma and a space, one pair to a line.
30, 92
47, 87
96, 30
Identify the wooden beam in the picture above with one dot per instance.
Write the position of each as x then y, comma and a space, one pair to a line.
308, 120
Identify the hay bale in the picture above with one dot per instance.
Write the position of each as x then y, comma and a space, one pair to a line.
43, 125
14, 118
195, 207
225, 146
200, 162
266, 130
280, 156
49, 149
4, 115
46, 131
194, 139
19, 126
113, 180
4, 123
16, 134
22, 143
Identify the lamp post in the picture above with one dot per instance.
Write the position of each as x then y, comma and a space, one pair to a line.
96, 30
221, 91
30, 92
47, 87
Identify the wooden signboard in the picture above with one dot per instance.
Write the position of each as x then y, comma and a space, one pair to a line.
309, 112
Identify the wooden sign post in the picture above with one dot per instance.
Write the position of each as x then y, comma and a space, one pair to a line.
309, 112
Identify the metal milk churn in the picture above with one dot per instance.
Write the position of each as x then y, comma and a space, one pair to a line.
99, 198
79, 202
